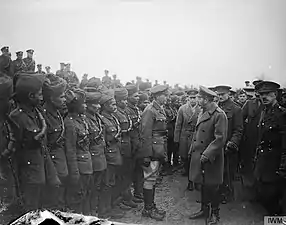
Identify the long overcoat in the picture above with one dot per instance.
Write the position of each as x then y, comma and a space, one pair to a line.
209, 139
185, 127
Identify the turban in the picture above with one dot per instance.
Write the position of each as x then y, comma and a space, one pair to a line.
131, 88
120, 93
143, 97
55, 88
76, 95
6, 87
93, 97
106, 96
29, 83
94, 82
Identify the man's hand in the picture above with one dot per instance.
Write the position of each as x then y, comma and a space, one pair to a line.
146, 162
204, 159
230, 147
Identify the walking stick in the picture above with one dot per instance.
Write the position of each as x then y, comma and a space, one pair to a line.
203, 200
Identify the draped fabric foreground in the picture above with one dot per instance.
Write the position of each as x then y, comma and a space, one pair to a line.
61, 218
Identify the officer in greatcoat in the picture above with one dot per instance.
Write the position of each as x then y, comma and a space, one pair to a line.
235, 129
251, 111
270, 158
207, 154
185, 127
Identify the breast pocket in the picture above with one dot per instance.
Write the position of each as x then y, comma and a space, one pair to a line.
113, 155
159, 148
160, 123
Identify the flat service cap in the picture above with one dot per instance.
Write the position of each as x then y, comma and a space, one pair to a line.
267, 86
159, 89
204, 91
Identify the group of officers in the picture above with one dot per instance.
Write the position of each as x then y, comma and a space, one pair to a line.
85, 146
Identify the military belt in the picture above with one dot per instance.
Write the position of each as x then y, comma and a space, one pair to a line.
160, 134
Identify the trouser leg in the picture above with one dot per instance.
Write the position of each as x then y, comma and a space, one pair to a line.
97, 184
138, 180
31, 195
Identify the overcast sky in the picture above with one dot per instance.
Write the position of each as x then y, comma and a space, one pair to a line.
206, 42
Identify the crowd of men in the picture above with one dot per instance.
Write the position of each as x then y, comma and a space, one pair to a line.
101, 147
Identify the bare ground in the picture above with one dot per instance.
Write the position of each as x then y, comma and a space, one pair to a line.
173, 197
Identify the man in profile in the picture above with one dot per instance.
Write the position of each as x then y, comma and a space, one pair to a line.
207, 155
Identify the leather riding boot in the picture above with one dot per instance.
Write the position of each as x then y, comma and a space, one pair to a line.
214, 218
149, 210
204, 212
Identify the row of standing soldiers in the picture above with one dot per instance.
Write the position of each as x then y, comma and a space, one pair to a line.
81, 149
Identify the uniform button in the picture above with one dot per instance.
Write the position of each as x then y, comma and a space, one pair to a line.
92, 153
29, 163
202, 142
261, 150
270, 128
154, 142
82, 156
20, 110
56, 129
35, 130
53, 156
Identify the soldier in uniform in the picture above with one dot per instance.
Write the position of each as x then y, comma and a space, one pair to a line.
40, 71
18, 64
185, 127
242, 97
143, 101
115, 81
153, 134
106, 80
54, 97
84, 81
112, 153
34, 167
30, 64
207, 150
78, 153
127, 168
61, 71
251, 111
133, 112
6, 143
70, 76
5, 61
171, 114
97, 147
235, 129
48, 69
270, 164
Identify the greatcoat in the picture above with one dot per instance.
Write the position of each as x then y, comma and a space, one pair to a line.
209, 140
185, 127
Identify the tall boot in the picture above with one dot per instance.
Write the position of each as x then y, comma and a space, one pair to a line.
159, 211
214, 218
203, 212
149, 210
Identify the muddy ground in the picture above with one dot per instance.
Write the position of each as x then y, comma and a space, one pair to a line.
172, 196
